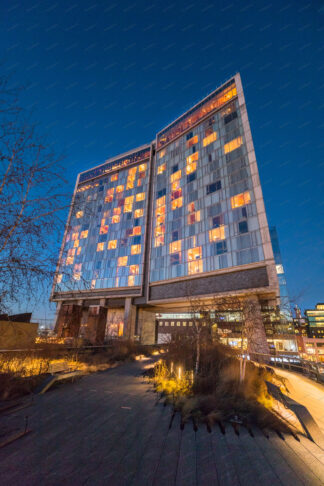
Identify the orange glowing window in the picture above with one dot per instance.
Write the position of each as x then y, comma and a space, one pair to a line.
175, 246
176, 203
138, 213
131, 280
175, 185
115, 218
192, 141
195, 267
175, 176
159, 241
193, 217
79, 214
161, 168
142, 168
162, 154
191, 168
93, 284
120, 188
132, 172
109, 198
217, 233
79, 250
71, 252
160, 211
140, 196
160, 201
137, 230
75, 236
117, 210
176, 194
112, 244
129, 185
129, 200
135, 249
160, 220
159, 230
122, 261
103, 229
194, 253
209, 139
114, 177
69, 260
59, 278
233, 144
240, 199
84, 234
100, 246
139, 182
191, 207
76, 243
134, 269
128, 208
192, 158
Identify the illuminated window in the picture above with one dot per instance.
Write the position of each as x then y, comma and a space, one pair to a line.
100, 246
160, 211
75, 236
162, 154
79, 214
137, 230
114, 177
79, 250
84, 234
131, 280
141, 168
129, 185
194, 253
120, 188
134, 269
192, 158
135, 249
240, 199
93, 284
122, 261
175, 246
132, 172
191, 168
103, 229
138, 213
76, 243
177, 193
71, 252
211, 138
217, 234
176, 203
159, 240
233, 144
112, 244
192, 141
128, 204
175, 176
140, 196
59, 278
193, 217
117, 210
160, 201
69, 260
115, 218
161, 168
109, 199
195, 267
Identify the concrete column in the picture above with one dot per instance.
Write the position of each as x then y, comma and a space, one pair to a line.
129, 319
69, 320
254, 330
146, 326
96, 326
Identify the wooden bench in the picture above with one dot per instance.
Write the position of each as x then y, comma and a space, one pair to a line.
58, 371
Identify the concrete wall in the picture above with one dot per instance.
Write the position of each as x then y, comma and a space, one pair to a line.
17, 334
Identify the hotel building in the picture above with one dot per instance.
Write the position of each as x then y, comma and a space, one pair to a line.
180, 217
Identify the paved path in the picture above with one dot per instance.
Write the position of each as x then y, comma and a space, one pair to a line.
307, 392
106, 429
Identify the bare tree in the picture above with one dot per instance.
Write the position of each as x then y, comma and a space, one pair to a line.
32, 203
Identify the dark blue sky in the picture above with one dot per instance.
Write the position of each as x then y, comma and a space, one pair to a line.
104, 77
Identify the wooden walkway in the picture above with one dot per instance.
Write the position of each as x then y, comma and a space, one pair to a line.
107, 429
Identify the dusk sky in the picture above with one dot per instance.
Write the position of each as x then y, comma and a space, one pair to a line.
103, 77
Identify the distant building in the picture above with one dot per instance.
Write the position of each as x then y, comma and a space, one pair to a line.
315, 320
178, 217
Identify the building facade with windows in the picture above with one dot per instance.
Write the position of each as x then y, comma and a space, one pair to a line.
180, 217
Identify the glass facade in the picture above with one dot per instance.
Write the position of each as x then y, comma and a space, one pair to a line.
103, 248
205, 216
